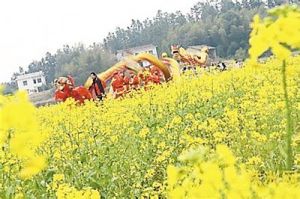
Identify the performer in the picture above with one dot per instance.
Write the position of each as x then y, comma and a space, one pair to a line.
134, 82
156, 75
155, 78
142, 78
59, 95
126, 83
65, 89
146, 78
96, 89
80, 94
118, 84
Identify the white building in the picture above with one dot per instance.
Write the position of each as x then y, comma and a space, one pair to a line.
136, 50
32, 82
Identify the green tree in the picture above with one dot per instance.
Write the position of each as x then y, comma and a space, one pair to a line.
220, 23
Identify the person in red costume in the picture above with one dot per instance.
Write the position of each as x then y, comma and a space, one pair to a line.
155, 77
118, 84
65, 89
59, 95
126, 83
146, 78
141, 77
80, 94
154, 69
134, 82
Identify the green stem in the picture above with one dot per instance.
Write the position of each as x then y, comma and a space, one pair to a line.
289, 124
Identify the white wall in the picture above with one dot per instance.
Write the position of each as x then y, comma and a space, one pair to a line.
31, 85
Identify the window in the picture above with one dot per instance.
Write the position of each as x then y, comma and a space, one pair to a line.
39, 80
151, 52
24, 83
34, 81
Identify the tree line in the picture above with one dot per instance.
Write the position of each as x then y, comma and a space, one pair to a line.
223, 24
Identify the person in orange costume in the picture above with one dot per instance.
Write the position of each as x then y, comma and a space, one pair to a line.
118, 84
134, 82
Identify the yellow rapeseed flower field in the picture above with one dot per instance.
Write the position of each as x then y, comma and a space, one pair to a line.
210, 135
122, 148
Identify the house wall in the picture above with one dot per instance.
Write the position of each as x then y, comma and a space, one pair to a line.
31, 83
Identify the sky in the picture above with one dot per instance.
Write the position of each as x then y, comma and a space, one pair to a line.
30, 28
